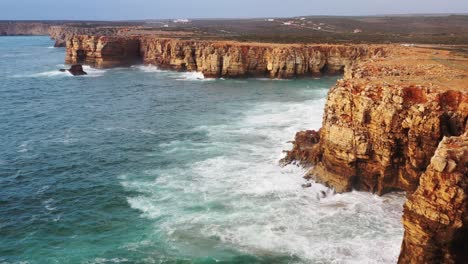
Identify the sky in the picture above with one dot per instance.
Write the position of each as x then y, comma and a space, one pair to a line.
162, 9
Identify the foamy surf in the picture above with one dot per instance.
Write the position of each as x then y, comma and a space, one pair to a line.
91, 72
243, 199
180, 76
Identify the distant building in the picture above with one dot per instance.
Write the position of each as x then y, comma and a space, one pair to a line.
288, 23
357, 30
166, 26
302, 18
270, 20
183, 21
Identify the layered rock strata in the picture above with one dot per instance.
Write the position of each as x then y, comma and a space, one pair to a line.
435, 215
380, 138
103, 51
61, 34
383, 123
223, 59
24, 28
400, 123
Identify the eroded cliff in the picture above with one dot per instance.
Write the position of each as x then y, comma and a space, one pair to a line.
380, 138
24, 28
62, 33
382, 128
219, 58
103, 51
435, 215
400, 123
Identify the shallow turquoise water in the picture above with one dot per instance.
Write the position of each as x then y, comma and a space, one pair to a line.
140, 165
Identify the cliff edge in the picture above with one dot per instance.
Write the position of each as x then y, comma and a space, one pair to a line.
218, 58
435, 215
400, 123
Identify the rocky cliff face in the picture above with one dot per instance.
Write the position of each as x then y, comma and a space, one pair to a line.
435, 215
380, 138
231, 59
26, 28
400, 123
225, 59
103, 52
380, 129
61, 34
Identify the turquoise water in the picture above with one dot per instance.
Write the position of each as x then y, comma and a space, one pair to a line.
138, 165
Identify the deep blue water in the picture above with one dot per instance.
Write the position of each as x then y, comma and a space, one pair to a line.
138, 165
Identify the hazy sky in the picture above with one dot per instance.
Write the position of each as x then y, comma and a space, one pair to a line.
146, 9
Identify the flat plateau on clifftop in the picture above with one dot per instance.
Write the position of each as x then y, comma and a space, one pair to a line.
428, 29
442, 66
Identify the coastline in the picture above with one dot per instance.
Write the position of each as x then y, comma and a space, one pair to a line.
410, 94
396, 122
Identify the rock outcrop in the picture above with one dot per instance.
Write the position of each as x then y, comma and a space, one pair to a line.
219, 58
75, 70
12, 28
435, 215
380, 131
380, 138
103, 51
400, 123
61, 34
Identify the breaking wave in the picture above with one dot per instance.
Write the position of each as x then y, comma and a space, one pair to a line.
180, 76
240, 197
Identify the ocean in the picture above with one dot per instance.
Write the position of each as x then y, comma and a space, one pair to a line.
141, 165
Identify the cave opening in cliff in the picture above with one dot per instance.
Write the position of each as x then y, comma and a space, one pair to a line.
328, 70
80, 56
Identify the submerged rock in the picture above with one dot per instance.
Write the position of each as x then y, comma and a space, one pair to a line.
75, 70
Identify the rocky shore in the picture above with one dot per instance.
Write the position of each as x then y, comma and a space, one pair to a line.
397, 121
400, 124
218, 58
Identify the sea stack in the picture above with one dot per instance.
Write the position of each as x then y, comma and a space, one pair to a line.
75, 70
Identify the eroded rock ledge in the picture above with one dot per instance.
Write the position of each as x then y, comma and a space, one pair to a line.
380, 138
400, 123
218, 58
435, 215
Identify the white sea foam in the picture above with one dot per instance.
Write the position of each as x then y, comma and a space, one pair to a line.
193, 76
48, 74
181, 76
91, 72
148, 68
244, 200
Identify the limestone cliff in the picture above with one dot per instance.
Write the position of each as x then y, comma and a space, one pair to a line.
62, 33
24, 28
400, 123
435, 215
381, 138
102, 51
222, 59
380, 131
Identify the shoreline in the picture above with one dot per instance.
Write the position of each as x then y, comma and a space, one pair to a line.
397, 120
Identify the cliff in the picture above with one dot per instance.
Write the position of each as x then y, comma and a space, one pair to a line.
61, 34
103, 52
383, 123
400, 123
24, 28
221, 58
435, 215
380, 138
397, 121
